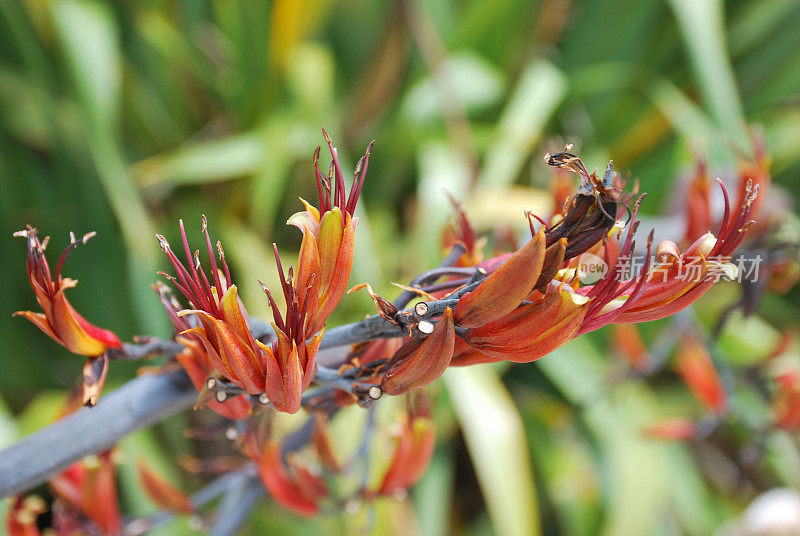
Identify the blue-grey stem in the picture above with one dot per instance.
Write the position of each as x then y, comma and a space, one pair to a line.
236, 506
139, 403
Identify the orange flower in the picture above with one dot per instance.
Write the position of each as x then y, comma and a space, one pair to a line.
223, 329
505, 288
413, 450
697, 370
533, 330
90, 486
288, 481
326, 253
680, 279
59, 320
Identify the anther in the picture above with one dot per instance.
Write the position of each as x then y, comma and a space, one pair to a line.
162, 242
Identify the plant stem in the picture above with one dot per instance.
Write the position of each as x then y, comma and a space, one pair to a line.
139, 403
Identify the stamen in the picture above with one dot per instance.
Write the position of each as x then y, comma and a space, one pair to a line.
188, 253
276, 314
338, 199
224, 265
318, 181
211, 257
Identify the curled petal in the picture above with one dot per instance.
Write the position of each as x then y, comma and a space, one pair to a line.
74, 332
386, 309
425, 363
40, 321
505, 288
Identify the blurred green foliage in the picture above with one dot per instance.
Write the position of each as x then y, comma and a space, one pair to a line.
124, 116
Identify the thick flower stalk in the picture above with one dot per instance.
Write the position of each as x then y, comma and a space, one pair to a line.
326, 252
59, 320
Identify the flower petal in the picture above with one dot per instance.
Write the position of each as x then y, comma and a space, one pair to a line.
425, 364
505, 288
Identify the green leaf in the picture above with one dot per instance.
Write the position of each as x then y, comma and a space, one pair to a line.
538, 93
477, 85
496, 442
703, 27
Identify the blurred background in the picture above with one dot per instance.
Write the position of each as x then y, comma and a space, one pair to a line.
122, 117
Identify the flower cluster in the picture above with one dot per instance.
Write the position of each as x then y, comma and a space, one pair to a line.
528, 303
281, 371
59, 320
